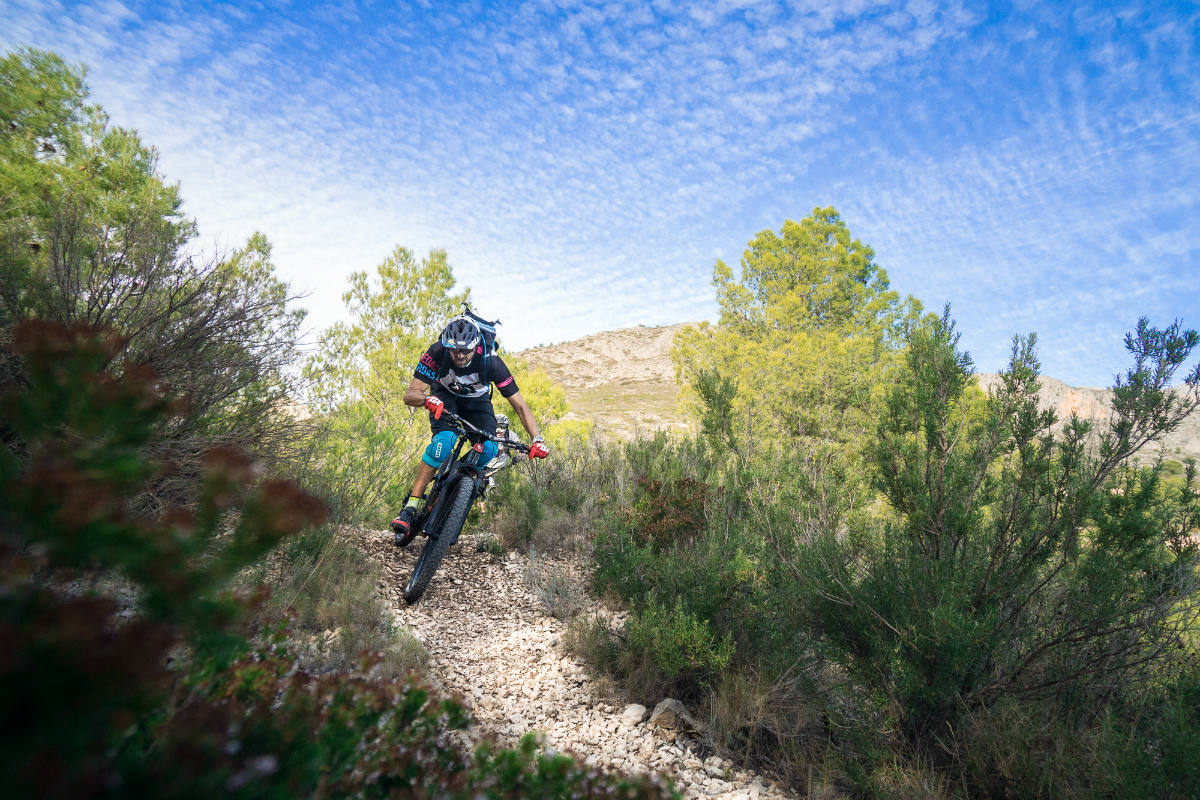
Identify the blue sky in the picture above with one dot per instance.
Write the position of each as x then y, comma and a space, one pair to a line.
1037, 165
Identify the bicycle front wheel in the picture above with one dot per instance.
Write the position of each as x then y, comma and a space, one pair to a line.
439, 540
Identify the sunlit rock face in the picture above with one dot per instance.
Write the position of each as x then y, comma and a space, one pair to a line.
621, 380
1095, 405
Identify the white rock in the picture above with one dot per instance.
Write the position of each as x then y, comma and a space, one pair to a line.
633, 714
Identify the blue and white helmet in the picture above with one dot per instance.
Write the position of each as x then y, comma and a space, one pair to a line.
461, 333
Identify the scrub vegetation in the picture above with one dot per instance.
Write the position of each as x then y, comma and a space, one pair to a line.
870, 570
859, 573
178, 622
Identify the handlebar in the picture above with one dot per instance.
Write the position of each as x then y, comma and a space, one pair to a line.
511, 444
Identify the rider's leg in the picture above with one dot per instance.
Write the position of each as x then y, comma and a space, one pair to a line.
438, 450
488, 453
424, 476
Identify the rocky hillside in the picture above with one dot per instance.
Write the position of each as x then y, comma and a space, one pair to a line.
624, 381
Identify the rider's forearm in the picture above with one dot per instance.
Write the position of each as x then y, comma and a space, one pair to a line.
415, 396
528, 422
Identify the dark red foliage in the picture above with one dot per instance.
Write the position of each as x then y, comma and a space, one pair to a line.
668, 513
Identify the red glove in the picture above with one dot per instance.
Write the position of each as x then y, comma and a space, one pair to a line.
435, 406
539, 449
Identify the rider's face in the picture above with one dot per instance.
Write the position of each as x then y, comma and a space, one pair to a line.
462, 357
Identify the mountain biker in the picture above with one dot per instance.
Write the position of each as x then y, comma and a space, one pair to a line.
449, 376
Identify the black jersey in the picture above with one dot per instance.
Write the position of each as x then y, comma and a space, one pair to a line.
437, 369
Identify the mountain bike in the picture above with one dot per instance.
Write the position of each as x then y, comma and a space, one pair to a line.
458, 482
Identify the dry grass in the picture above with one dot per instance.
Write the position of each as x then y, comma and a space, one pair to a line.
590, 639
562, 533
327, 586
558, 585
907, 781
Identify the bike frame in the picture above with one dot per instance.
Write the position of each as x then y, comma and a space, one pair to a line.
458, 467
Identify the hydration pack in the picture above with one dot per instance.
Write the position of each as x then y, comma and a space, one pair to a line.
487, 329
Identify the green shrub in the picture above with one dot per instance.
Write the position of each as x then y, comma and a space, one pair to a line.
989, 590
684, 650
1023, 565
668, 515
684, 540
667, 458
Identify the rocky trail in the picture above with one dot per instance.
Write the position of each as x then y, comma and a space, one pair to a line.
490, 640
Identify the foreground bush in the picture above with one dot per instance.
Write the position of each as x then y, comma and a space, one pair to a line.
160, 694
92, 234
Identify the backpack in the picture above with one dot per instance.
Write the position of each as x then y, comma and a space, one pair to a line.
487, 328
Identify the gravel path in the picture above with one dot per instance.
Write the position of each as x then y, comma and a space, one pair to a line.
490, 640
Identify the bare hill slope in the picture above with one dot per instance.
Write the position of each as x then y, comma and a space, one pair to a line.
623, 380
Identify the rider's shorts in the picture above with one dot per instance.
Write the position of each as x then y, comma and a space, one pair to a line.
476, 410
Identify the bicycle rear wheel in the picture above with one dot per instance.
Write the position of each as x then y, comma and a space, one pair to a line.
439, 540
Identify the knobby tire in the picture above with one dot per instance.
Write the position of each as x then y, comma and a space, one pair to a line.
439, 541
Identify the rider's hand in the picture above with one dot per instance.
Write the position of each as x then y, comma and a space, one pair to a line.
539, 449
435, 406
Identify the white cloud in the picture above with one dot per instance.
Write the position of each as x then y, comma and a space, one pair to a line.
572, 155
